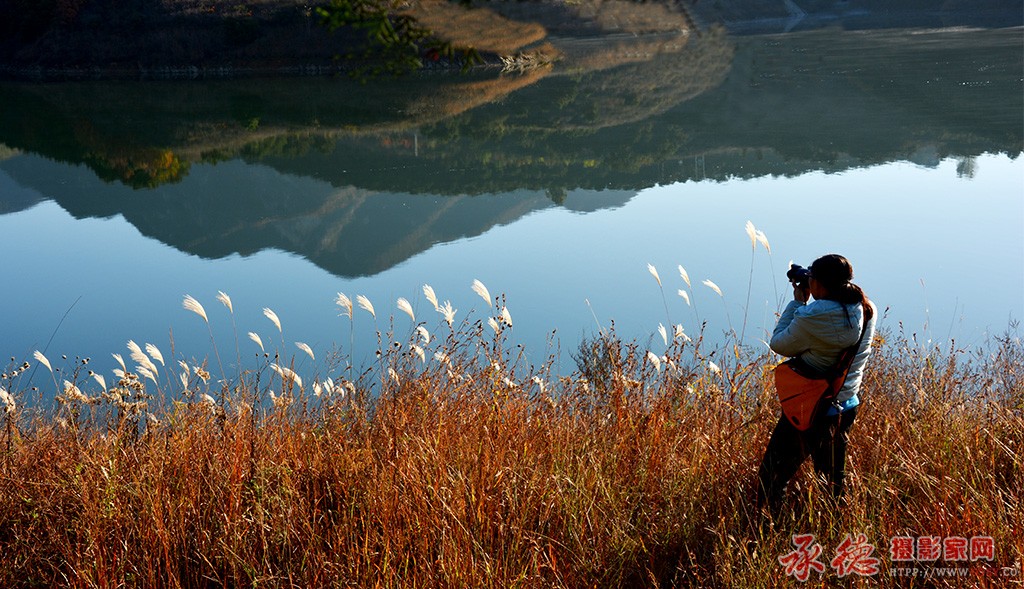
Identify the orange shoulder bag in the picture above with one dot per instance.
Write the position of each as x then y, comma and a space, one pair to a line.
804, 393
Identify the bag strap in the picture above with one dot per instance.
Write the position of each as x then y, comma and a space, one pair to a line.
837, 375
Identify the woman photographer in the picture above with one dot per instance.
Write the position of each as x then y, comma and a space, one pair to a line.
818, 333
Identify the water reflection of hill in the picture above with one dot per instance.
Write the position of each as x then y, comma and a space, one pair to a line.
238, 208
359, 178
819, 101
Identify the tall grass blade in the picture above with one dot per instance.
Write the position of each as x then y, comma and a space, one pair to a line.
191, 304
405, 307
428, 292
226, 301
654, 273
345, 303
366, 305
481, 290
305, 348
42, 360
259, 342
155, 354
273, 318
713, 287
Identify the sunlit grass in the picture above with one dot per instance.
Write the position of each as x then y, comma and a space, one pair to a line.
452, 461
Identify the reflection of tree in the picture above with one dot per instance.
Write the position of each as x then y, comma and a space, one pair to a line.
144, 168
674, 69
965, 167
628, 125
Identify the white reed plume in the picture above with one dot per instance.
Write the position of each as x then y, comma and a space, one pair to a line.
198, 370
305, 348
480, 289
756, 237
540, 384
654, 273
99, 378
184, 366
419, 352
663, 332
506, 316
685, 276
345, 303
405, 307
680, 334
73, 393
226, 301
493, 323
183, 377
120, 361
146, 373
118, 373
442, 357
8, 401
713, 287
287, 374
448, 312
752, 234
655, 360
366, 305
424, 334
207, 401
256, 338
154, 353
661, 288
141, 358
714, 368
280, 402
686, 297
42, 360
273, 318
190, 304
428, 291
394, 376
318, 389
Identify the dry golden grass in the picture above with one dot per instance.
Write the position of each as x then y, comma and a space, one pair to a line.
473, 470
479, 27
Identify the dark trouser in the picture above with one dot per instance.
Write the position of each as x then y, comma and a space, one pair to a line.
825, 442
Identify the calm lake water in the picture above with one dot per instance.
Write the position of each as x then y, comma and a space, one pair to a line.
900, 149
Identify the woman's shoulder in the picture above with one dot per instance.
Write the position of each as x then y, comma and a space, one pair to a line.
828, 312
818, 308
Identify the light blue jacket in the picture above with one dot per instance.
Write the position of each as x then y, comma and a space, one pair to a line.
818, 332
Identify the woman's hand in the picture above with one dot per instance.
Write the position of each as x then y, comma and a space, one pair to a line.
801, 294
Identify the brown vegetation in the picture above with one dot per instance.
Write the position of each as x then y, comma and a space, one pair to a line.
473, 470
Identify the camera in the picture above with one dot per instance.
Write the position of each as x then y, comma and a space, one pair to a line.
798, 275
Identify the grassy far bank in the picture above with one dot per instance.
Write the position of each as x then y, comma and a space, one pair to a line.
158, 39
450, 462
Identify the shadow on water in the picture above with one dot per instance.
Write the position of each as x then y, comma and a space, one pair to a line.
312, 165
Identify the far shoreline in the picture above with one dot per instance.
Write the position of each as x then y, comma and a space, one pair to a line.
283, 38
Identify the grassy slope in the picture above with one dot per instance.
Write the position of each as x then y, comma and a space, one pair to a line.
154, 38
476, 471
